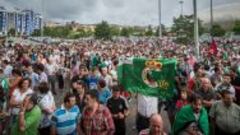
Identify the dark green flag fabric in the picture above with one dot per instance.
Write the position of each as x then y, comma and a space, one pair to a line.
148, 77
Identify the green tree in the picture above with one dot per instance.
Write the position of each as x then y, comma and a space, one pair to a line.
149, 31
218, 31
115, 31
163, 31
47, 31
60, 31
236, 28
36, 33
183, 27
103, 31
125, 32
137, 31
80, 33
12, 32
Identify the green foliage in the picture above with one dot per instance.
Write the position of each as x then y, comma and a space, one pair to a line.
103, 31
115, 31
218, 31
80, 33
163, 31
12, 32
183, 26
36, 33
60, 31
125, 32
236, 28
149, 31
137, 31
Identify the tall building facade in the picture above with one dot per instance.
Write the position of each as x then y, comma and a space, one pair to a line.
22, 21
3, 21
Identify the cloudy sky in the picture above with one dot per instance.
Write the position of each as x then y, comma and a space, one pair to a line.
126, 12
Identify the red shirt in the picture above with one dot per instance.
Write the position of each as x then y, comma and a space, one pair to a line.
180, 103
101, 123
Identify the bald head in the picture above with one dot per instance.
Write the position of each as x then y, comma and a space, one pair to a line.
156, 124
156, 117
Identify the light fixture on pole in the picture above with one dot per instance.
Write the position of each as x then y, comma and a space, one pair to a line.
181, 4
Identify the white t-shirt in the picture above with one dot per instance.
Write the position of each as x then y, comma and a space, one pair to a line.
19, 97
51, 69
46, 103
147, 105
43, 77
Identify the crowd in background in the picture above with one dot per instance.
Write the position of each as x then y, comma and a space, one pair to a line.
206, 101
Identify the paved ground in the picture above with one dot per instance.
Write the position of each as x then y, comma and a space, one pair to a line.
131, 119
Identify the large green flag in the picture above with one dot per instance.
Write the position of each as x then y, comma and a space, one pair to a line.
148, 77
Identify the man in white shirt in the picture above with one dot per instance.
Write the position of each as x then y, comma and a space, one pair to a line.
51, 72
7, 68
104, 75
146, 106
42, 74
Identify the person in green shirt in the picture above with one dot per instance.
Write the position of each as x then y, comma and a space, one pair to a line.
4, 81
4, 88
29, 117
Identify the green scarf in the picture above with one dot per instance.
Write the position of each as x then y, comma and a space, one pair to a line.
186, 115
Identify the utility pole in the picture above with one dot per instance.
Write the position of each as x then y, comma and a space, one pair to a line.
42, 23
160, 17
211, 18
196, 33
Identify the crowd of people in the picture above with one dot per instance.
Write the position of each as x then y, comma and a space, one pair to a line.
32, 78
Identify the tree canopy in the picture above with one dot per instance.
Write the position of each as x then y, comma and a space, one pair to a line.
103, 31
236, 28
183, 27
218, 31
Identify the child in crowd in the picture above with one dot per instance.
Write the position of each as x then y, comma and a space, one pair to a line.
183, 99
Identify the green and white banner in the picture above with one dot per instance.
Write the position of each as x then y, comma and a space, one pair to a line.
148, 77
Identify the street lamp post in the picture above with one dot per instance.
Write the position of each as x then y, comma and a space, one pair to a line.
196, 33
160, 17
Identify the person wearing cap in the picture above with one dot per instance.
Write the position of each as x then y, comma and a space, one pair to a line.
119, 109
29, 117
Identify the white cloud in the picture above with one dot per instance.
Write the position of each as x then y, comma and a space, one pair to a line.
128, 12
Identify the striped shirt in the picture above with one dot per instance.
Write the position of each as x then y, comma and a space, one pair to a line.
66, 121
